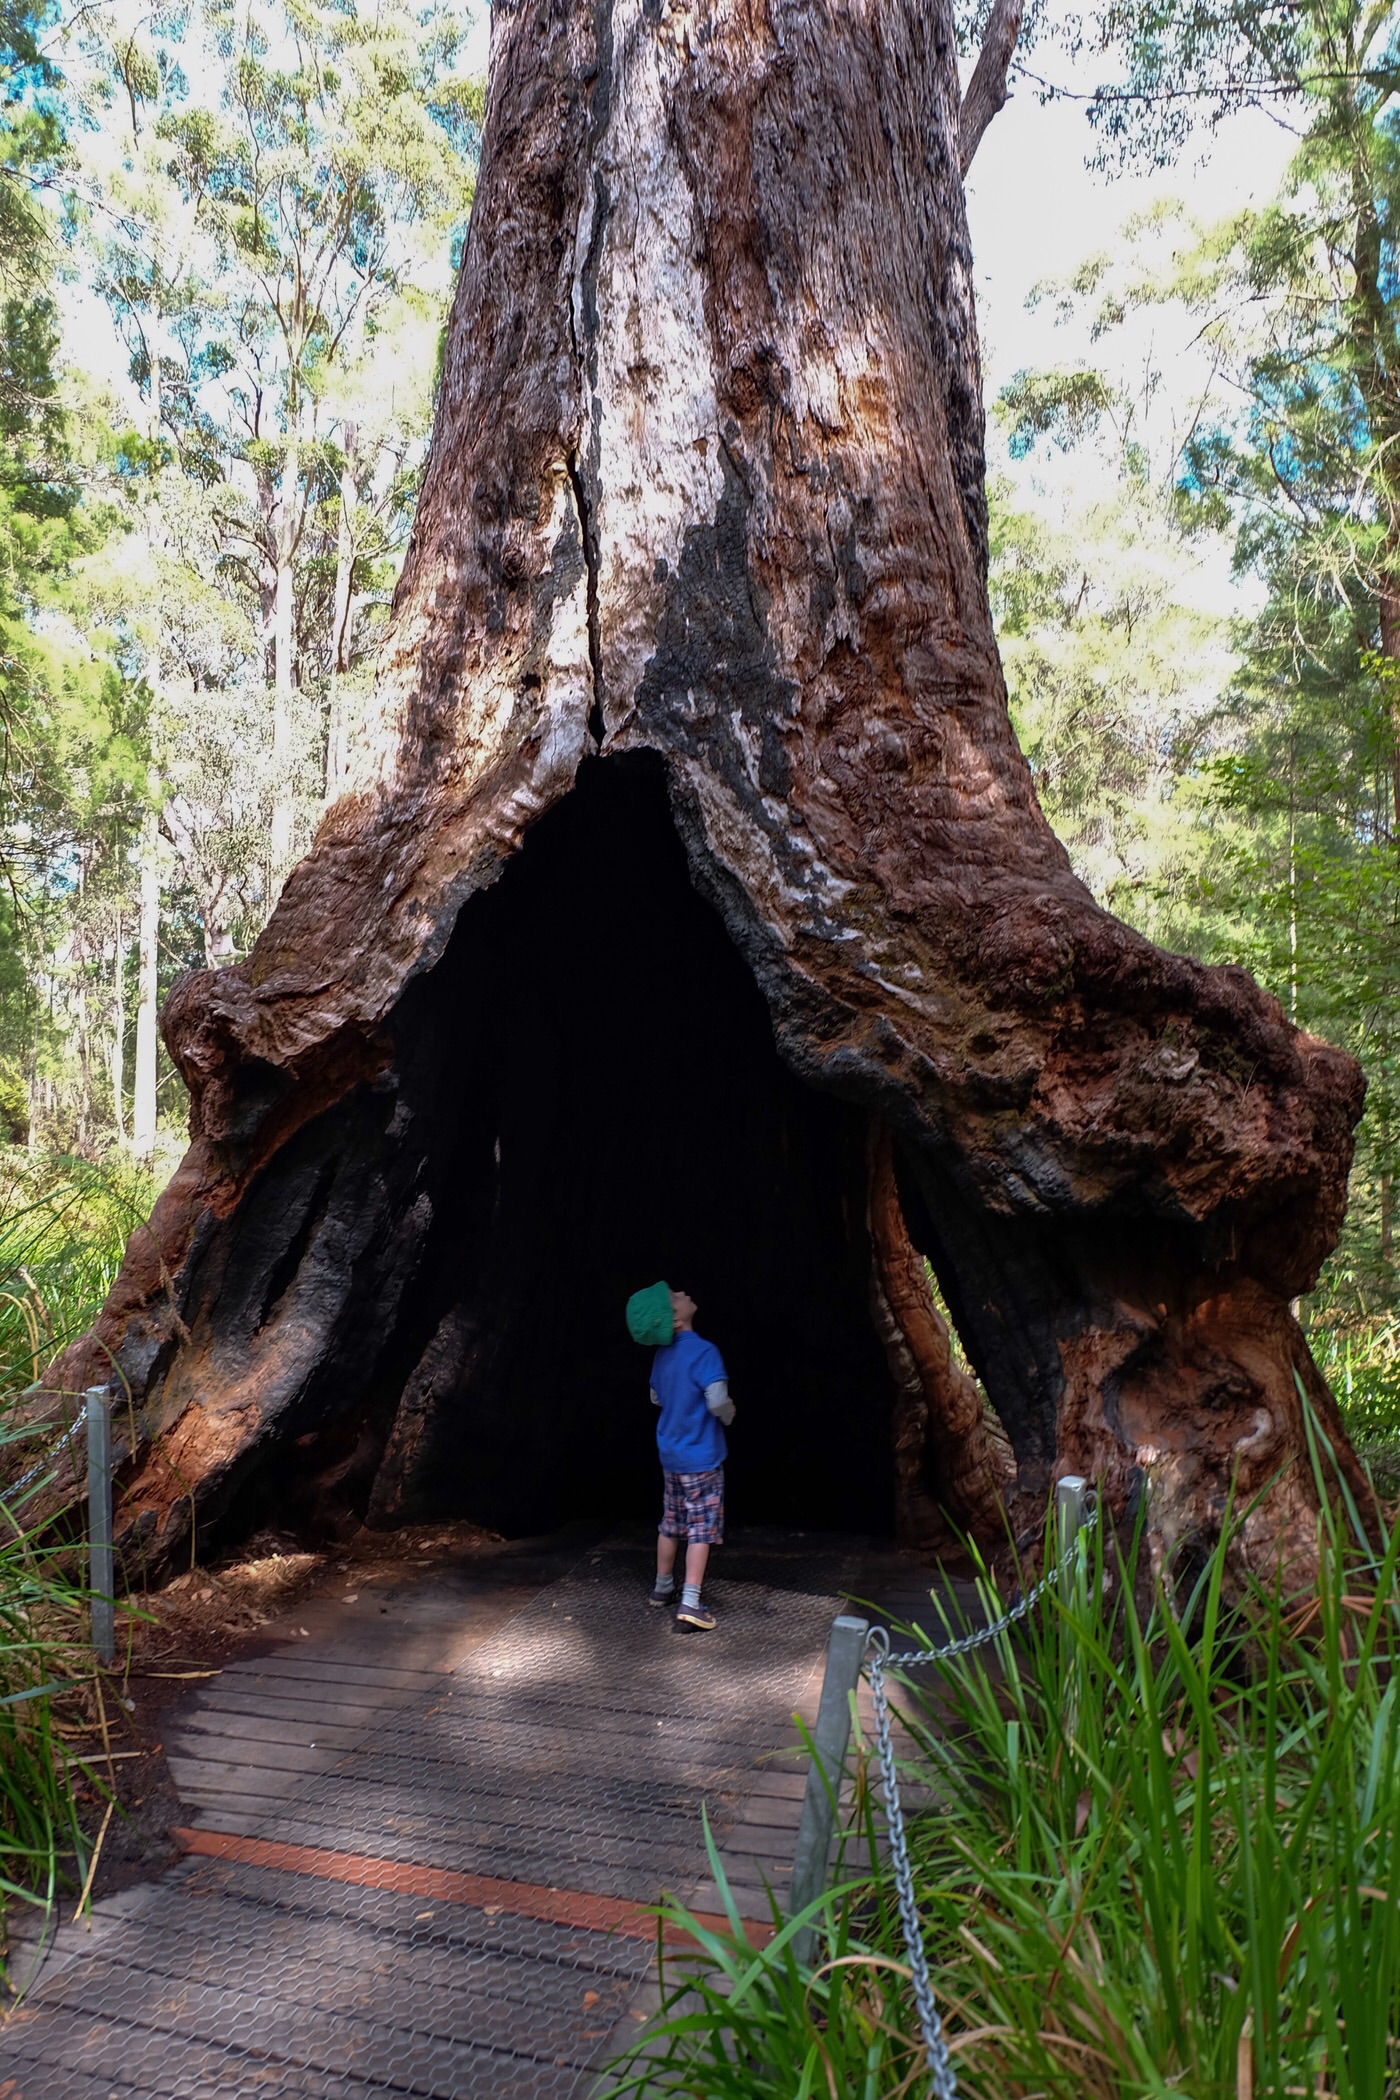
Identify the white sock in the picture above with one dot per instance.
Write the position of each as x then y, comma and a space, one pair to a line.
690, 1596
666, 1583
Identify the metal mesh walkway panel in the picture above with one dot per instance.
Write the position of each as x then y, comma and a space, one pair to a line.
571, 1750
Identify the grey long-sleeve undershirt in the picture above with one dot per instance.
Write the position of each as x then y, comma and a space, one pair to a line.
716, 1399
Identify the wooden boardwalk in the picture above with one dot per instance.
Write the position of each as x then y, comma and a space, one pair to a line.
422, 1830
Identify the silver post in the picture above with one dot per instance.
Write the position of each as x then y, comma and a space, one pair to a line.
1071, 1496
810, 1859
99, 1453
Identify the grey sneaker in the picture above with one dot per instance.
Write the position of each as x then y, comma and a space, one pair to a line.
697, 1615
663, 1596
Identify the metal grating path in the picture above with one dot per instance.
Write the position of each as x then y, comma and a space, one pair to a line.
238, 1980
424, 1843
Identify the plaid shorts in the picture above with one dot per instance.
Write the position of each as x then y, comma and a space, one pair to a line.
693, 1507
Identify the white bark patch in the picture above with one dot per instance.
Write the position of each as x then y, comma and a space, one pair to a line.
651, 427
1259, 1436
489, 701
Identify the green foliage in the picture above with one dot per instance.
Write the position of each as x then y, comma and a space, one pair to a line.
38, 498
1171, 69
268, 202
1113, 675
1157, 1864
56, 695
1062, 406
31, 142
14, 1106
275, 192
46, 1679
740, 2024
64, 1223
1263, 826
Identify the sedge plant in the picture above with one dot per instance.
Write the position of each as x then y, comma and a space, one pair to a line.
47, 1686
1163, 1860
63, 1225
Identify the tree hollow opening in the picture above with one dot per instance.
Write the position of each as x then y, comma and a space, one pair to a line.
612, 1109
585, 1096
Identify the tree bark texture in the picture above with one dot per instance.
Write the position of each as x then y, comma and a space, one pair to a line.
705, 514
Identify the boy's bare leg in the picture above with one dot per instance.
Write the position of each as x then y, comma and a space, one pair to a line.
695, 1560
666, 1554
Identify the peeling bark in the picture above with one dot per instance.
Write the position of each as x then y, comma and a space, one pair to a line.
706, 488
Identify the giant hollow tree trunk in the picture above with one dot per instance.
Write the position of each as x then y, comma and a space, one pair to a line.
693, 914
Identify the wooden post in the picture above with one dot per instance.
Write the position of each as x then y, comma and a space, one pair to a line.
99, 1457
844, 1651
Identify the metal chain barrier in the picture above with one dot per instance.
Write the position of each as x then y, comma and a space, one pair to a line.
95, 1426
879, 1660
36, 1472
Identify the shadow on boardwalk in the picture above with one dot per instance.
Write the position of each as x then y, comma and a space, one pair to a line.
420, 1839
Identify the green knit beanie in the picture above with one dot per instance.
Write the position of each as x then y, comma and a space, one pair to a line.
650, 1320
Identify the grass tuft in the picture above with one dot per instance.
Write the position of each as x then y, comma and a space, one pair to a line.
63, 1225
48, 1686
1160, 1865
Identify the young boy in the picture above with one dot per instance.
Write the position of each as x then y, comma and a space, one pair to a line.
689, 1385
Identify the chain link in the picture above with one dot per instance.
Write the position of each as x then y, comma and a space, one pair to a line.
879, 1659
69, 1436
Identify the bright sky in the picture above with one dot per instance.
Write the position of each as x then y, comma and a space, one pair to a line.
1036, 210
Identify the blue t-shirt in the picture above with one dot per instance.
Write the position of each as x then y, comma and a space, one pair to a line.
689, 1438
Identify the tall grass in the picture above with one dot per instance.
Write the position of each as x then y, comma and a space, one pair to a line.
47, 1690
63, 1224
1163, 1863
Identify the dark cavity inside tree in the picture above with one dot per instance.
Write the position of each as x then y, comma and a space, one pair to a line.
693, 910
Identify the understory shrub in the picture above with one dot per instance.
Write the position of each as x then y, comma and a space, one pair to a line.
48, 1698
1163, 1861
63, 1225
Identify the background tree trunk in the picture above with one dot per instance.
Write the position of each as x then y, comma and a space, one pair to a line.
143, 1098
342, 637
287, 531
118, 1058
703, 540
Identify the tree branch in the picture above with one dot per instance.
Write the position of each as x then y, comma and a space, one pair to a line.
986, 91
